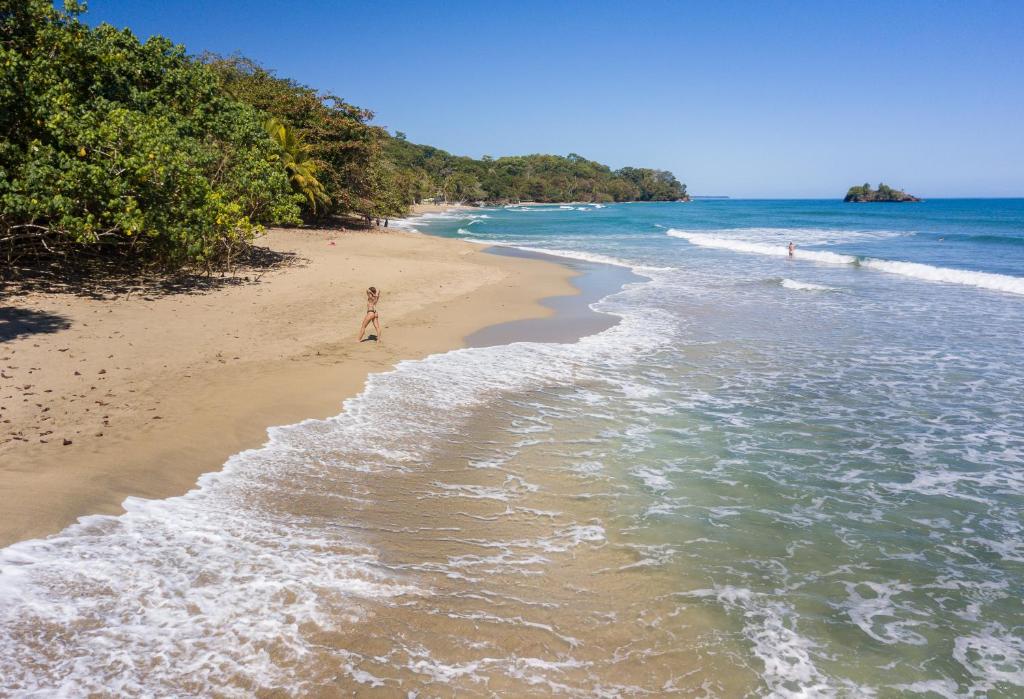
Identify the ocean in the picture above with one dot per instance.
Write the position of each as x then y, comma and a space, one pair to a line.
773, 476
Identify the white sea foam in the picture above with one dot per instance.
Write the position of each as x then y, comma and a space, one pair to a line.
575, 255
588, 468
572, 536
714, 241
965, 485
877, 615
984, 280
781, 237
172, 584
992, 657
770, 626
805, 286
552, 207
653, 479
426, 219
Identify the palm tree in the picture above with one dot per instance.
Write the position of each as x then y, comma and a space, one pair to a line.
299, 164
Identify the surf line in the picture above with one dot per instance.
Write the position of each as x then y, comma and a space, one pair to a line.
984, 280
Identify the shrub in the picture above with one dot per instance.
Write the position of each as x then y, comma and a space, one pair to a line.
111, 146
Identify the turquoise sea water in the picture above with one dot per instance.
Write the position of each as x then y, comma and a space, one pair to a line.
828, 449
774, 477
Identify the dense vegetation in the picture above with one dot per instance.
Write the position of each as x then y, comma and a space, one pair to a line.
347, 153
367, 171
864, 193
113, 148
544, 178
110, 146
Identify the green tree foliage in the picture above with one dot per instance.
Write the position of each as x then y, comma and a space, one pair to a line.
884, 192
347, 151
653, 185
109, 145
462, 186
299, 164
546, 178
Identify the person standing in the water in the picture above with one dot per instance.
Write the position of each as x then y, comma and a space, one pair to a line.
792, 248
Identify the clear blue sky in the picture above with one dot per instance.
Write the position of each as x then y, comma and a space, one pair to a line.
759, 99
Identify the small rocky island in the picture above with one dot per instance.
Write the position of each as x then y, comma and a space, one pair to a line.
864, 193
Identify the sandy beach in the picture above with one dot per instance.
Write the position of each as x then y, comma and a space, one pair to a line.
139, 394
648, 406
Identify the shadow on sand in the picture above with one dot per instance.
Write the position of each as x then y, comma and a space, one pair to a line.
104, 279
15, 322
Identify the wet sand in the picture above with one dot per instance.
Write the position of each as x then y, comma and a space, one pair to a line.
573, 318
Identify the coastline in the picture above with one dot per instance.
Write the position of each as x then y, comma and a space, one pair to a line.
572, 316
154, 391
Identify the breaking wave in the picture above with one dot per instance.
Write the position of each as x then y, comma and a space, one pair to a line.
983, 280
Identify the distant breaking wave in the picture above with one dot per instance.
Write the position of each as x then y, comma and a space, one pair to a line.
571, 254
984, 280
710, 241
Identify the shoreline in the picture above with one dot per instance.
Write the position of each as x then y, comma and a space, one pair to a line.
168, 388
572, 317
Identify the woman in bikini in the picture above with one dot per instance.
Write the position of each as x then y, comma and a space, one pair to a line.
372, 297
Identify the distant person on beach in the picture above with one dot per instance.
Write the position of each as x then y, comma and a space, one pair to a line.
792, 248
372, 297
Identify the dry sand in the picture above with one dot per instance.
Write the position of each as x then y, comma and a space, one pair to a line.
153, 390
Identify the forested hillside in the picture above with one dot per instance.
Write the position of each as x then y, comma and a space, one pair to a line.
547, 178
114, 148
